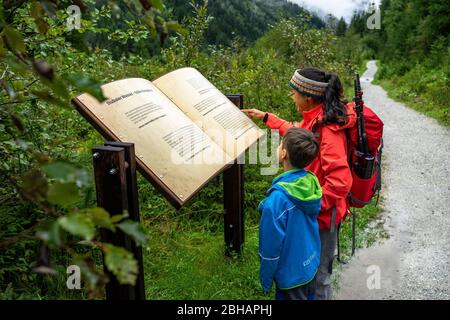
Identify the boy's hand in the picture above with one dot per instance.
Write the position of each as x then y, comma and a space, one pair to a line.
254, 113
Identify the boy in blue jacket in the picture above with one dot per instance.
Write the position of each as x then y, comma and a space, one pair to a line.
289, 241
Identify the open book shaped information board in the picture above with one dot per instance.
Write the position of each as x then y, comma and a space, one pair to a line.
184, 129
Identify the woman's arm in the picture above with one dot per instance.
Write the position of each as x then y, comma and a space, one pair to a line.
271, 120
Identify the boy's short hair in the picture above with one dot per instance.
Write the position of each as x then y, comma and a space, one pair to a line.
301, 146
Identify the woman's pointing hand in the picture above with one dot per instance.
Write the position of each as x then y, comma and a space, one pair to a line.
254, 113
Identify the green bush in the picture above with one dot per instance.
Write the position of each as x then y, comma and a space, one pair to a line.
423, 88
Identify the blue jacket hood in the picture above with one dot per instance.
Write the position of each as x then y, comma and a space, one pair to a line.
302, 188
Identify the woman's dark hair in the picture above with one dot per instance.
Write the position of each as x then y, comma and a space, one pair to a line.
335, 110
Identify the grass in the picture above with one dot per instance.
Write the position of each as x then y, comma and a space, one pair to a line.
185, 258
185, 261
362, 67
422, 88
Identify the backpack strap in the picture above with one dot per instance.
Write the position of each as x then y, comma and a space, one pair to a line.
315, 129
349, 152
354, 200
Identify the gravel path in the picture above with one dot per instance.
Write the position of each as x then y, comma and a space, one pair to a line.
414, 263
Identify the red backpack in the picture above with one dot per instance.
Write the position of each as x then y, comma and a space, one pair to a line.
364, 188
365, 185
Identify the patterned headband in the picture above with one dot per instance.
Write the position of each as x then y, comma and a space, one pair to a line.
307, 86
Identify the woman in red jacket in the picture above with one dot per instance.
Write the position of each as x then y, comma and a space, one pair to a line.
318, 97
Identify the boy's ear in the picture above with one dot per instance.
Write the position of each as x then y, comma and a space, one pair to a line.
284, 154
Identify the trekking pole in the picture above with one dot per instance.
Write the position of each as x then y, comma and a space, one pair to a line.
365, 162
339, 246
353, 231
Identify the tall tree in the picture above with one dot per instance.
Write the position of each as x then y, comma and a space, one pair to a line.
341, 27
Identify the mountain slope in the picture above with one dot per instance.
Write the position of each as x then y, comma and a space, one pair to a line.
247, 19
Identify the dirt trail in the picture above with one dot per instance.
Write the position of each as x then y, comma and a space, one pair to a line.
414, 263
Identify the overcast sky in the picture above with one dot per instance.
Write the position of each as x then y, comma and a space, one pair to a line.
339, 8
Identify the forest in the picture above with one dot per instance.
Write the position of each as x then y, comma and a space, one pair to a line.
412, 47
48, 213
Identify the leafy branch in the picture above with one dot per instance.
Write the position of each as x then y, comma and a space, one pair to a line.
54, 188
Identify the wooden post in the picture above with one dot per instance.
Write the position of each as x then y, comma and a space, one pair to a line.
133, 210
233, 198
113, 188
